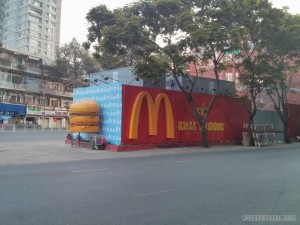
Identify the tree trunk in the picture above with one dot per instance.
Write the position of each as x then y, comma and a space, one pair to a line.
286, 133
204, 142
252, 114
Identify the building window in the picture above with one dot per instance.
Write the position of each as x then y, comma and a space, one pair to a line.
18, 98
8, 78
20, 61
42, 101
229, 76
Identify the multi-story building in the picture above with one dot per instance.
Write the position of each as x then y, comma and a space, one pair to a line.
30, 33
1, 17
231, 74
31, 26
126, 76
23, 83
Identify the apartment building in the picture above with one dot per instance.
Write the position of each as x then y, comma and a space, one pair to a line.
24, 85
1, 18
31, 26
30, 33
231, 74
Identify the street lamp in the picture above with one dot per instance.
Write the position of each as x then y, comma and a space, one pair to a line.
98, 80
106, 78
135, 79
94, 82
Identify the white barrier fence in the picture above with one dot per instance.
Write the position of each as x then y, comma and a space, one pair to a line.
263, 134
30, 128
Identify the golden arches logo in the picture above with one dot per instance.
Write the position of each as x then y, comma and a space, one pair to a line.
153, 110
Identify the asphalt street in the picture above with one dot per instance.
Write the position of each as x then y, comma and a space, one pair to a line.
165, 186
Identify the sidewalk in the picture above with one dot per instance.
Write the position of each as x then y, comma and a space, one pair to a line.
58, 151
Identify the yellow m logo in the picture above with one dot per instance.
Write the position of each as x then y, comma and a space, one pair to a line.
153, 110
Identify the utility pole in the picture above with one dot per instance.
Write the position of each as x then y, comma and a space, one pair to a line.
43, 112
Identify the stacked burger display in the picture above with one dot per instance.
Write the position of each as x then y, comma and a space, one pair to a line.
84, 118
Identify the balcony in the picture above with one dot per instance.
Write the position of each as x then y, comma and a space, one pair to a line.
14, 66
9, 85
5, 63
34, 89
58, 93
36, 4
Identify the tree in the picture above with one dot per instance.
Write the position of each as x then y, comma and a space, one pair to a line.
165, 36
72, 63
285, 65
258, 22
98, 18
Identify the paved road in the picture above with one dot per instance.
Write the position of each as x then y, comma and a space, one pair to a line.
179, 188
47, 147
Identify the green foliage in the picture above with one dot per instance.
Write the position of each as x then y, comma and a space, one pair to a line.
284, 57
98, 18
152, 67
161, 37
72, 62
174, 30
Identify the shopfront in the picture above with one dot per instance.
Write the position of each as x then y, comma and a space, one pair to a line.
12, 113
55, 118
34, 114
47, 117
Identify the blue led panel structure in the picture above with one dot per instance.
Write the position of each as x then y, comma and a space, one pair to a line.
109, 97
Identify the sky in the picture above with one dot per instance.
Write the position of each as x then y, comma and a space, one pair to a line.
73, 13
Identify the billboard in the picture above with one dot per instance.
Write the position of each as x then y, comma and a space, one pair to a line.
109, 97
132, 115
156, 116
153, 113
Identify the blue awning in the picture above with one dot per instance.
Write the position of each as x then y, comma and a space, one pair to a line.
12, 110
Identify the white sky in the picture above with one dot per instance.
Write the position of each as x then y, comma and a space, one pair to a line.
74, 24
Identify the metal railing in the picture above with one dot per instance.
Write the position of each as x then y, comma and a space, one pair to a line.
15, 66
34, 88
30, 128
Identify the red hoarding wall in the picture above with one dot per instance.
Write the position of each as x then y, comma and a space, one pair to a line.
294, 121
225, 121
